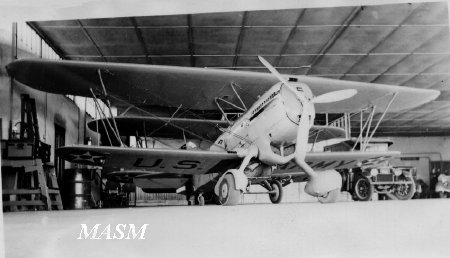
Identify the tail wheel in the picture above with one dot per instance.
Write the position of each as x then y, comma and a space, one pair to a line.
228, 195
363, 190
277, 190
330, 197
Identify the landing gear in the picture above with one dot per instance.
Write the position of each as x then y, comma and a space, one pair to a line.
276, 193
228, 195
363, 189
330, 197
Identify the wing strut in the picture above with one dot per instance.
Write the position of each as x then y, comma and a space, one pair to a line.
100, 111
364, 140
381, 118
225, 115
105, 95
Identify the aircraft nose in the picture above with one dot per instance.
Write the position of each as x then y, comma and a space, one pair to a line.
292, 104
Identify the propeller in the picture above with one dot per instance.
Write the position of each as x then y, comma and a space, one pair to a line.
333, 96
319, 184
272, 70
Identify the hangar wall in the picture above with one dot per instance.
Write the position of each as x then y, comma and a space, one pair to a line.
429, 146
50, 108
420, 152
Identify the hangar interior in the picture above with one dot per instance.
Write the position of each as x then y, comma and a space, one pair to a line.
397, 44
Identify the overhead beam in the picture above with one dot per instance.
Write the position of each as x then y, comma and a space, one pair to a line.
239, 26
191, 40
46, 39
274, 55
411, 133
141, 40
411, 53
86, 33
380, 42
425, 115
289, 38
334, 37
424, 70
237, 50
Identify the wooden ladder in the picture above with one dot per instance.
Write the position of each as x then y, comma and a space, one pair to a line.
37, 193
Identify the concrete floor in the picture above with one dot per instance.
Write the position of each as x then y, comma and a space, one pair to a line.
417, 228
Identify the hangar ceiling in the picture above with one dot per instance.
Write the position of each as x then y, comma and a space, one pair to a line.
401, 44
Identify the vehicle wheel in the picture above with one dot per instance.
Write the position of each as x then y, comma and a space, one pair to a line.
362, 189
278, 194
330, 197
228, 195
406, 191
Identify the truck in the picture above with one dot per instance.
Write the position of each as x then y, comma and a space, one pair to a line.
386, 180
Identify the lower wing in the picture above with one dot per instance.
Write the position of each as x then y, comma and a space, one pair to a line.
338, 160
150, 161
194, 162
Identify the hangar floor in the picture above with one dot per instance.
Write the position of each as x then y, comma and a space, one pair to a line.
417, 228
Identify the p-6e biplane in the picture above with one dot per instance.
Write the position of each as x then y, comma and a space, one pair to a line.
261, 136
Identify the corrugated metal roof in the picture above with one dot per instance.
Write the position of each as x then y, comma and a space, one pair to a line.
401, 44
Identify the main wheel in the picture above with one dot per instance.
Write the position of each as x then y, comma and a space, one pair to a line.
363, 190
228, 195
405, 191
330, 197
277, 194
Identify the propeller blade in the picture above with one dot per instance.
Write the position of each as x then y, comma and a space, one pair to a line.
272, 70
335, 96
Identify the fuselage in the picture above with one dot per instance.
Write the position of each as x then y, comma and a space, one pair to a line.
274, 115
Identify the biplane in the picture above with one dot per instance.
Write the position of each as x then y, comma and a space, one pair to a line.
249, 128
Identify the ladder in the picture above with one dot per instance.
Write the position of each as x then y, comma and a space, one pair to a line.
28, 179
30, 184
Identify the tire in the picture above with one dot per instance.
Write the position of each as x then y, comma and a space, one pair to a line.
276, 197
405, 192
331, 197
228, 195
362, 189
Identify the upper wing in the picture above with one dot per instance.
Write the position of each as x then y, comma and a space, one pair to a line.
196, 88
178, 128
190, 162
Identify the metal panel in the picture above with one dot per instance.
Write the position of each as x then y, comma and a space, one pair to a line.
260, 41
215, 41
117, 41
217, 19
166, 41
